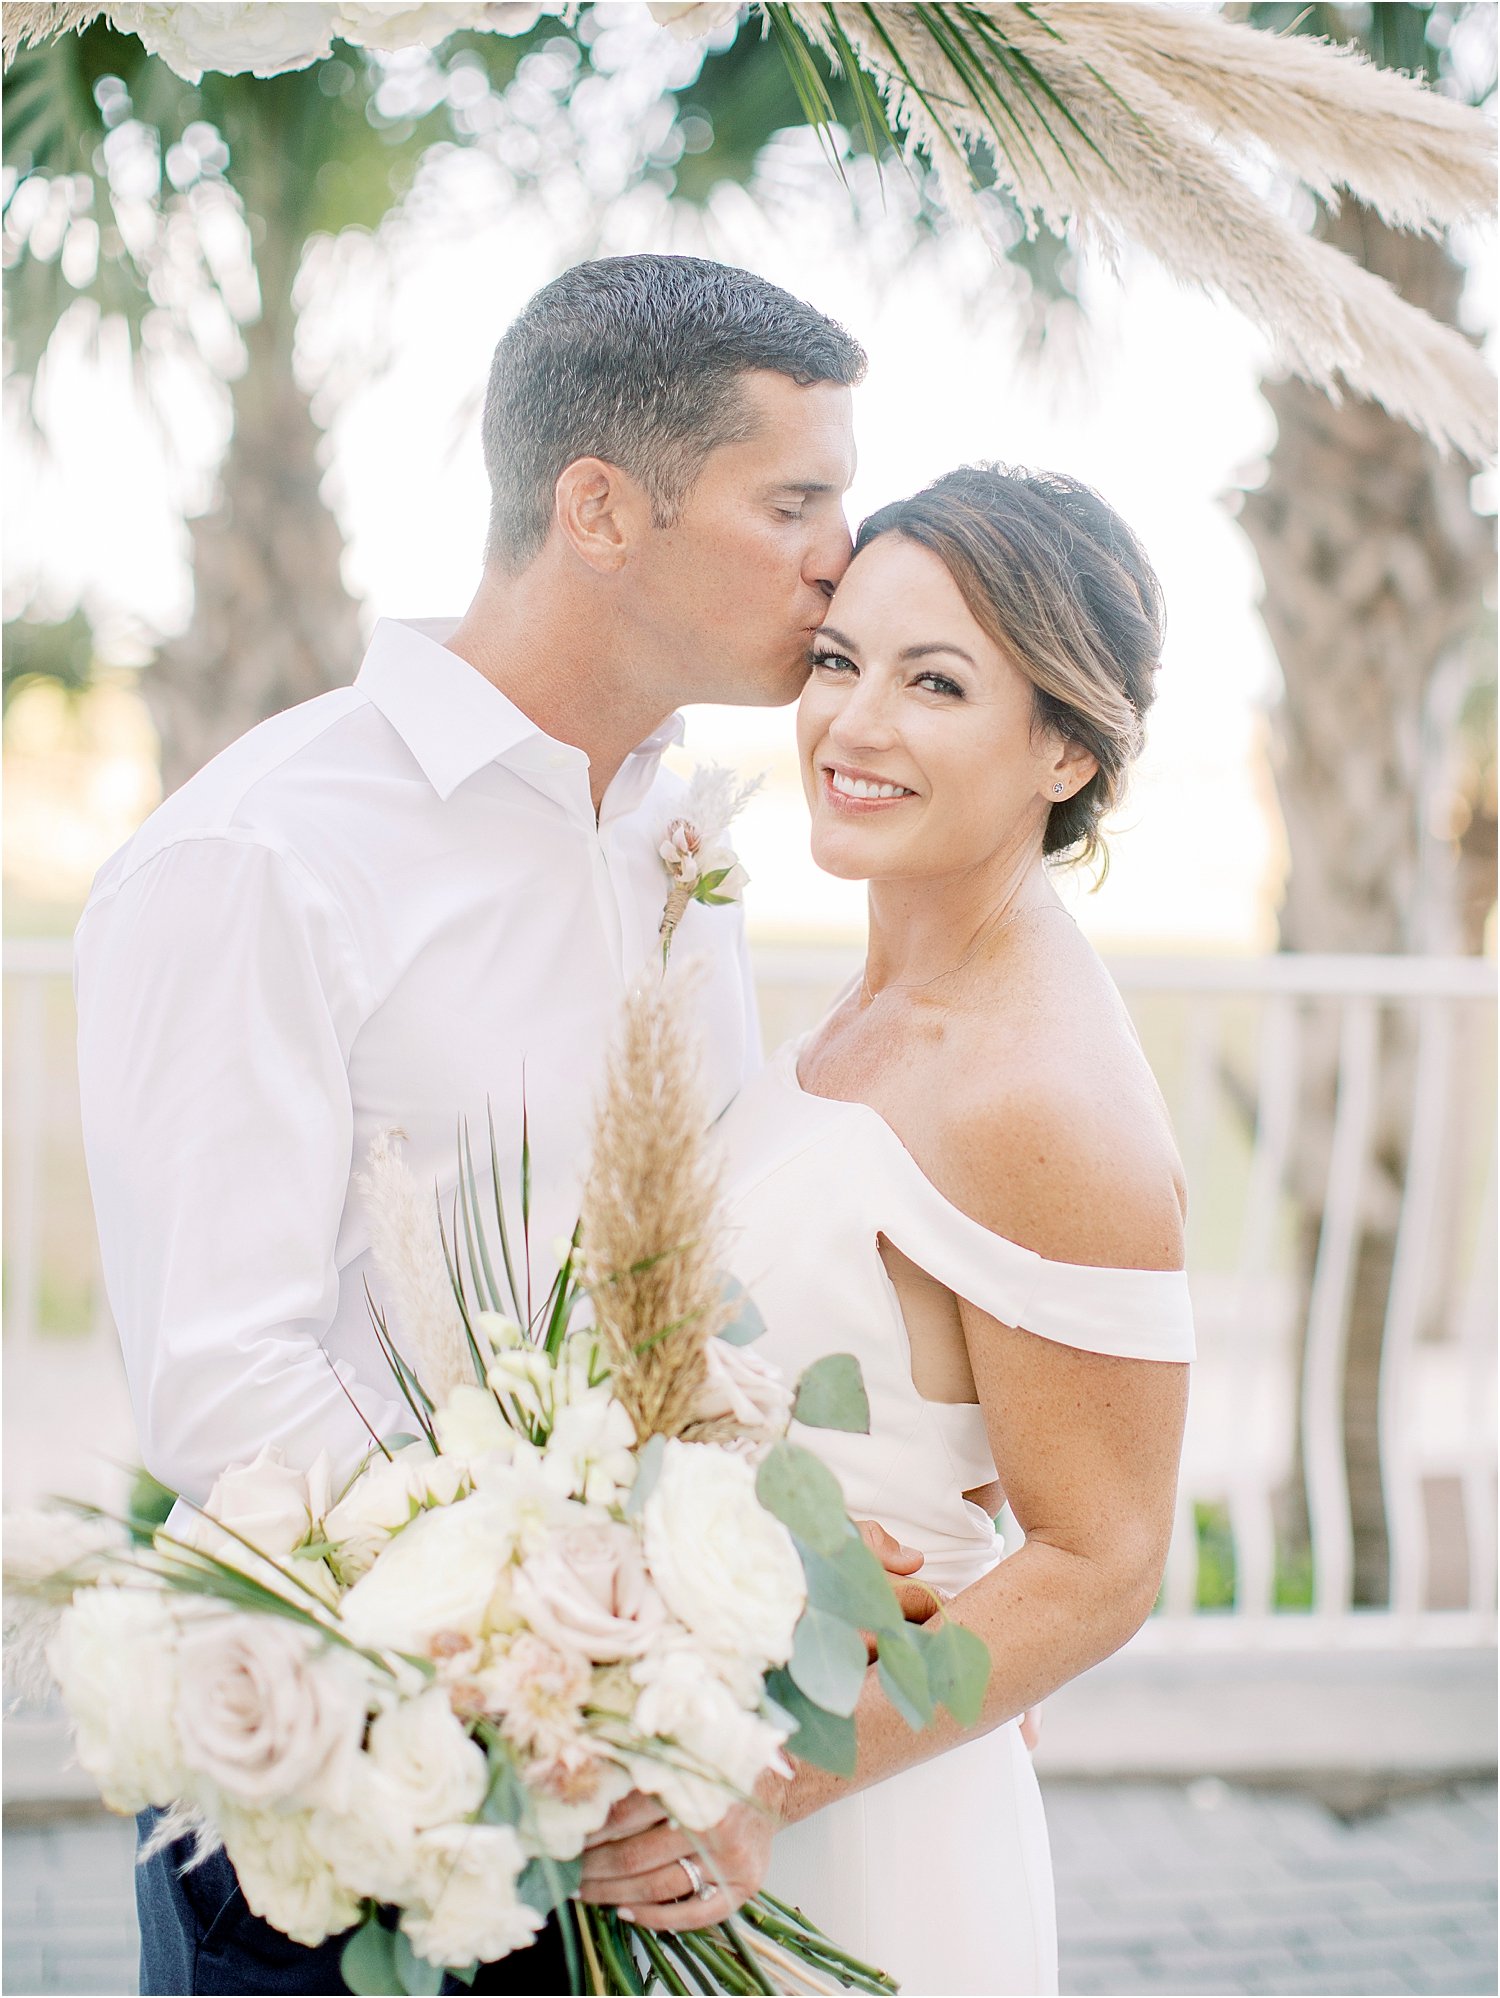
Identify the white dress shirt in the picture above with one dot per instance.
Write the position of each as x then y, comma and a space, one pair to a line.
372, 912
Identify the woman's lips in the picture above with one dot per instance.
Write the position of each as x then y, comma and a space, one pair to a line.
842, 801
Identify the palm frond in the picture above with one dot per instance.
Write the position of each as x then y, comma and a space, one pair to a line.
1135, 125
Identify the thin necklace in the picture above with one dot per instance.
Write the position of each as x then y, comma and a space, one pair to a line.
991, 928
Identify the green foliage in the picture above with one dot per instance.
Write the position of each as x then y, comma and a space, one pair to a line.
824, 1739
804, 1495
828, 1661
367, 1961
147, 1506
62, 653
831, 1395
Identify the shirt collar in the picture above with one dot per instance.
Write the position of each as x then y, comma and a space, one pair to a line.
455, 721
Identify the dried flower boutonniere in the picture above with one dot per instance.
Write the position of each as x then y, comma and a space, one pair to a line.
700, 864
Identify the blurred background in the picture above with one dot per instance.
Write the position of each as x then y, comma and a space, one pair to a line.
247, 329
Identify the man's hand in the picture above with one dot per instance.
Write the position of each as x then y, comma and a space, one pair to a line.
640, 1863
918, 1599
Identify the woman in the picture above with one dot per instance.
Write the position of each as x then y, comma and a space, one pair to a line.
965, 1176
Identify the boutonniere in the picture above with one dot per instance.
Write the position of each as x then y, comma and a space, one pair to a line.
701, 865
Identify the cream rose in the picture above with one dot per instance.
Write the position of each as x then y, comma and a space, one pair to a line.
740, 1384
370, 1843
467, 1904
114, 1657
570, 1796
266, 1710
285, 1877
440, 1573
684, 1701
722, 1563
587, 1589
435, 1772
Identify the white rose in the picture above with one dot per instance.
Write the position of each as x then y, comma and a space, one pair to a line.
379, 1503
370, 1843
286, 1879
230, 35
589, 1454
469, 1424
466, 1905
588, 1589
424, 1754
684, 1702
267, 1711
722, 1563
268, 1504
739, 1383
537, 1509
439, 1573
401, 26
690, 20
113, 1656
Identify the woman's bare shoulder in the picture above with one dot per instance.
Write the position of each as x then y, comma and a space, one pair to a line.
1054, 1133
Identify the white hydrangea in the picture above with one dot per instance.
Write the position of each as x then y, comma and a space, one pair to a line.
285, 1876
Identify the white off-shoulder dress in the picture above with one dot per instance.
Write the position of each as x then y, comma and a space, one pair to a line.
941, 1874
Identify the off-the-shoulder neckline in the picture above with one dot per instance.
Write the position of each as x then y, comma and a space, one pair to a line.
786, 1063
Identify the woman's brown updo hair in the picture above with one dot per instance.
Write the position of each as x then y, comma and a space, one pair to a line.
1062, 586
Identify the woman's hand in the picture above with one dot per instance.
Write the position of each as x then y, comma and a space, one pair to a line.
647, 1868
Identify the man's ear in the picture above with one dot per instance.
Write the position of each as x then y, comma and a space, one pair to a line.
601, 512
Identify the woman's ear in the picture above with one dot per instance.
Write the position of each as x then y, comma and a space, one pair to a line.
1070, 769
600, 511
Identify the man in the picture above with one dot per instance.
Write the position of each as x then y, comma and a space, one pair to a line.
382, 908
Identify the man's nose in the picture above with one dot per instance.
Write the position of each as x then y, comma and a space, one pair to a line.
829, 558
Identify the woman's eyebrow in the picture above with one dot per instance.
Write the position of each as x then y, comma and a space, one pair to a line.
923, 651
838, 637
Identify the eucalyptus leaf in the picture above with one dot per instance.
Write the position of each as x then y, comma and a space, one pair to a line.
903, 1675
958, 1669
647, 1471
367, 1962
747, 1324
465, 1977
804, 1495
852, 1585
826, 1740
828, 1661
418, 1977
504, 1800
546, 1883
831, 1395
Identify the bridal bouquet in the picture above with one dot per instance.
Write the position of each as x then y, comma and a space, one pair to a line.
595, 1564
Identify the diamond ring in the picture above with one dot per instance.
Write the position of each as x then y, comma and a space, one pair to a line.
696, 1883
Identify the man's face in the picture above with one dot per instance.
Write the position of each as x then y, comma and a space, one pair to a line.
732, 592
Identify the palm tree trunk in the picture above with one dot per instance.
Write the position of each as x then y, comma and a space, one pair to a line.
1374, 565
272, 622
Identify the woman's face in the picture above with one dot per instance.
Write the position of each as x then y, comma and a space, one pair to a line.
919, 755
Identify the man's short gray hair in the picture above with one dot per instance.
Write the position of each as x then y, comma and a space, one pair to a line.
637, 360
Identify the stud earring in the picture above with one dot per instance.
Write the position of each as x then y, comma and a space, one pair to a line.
1058, 789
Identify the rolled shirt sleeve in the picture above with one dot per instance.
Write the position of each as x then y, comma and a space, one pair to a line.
218, 997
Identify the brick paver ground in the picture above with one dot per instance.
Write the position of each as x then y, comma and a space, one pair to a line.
1163, 1888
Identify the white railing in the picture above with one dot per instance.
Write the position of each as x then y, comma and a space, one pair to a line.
1236, 1045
